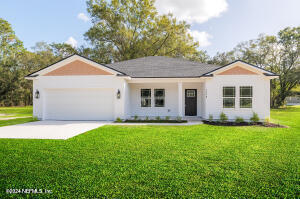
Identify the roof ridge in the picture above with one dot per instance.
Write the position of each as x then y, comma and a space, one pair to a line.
174, 58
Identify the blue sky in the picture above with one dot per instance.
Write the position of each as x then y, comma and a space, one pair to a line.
217, 24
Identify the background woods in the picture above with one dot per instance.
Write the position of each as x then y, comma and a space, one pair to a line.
279, 54
130, 29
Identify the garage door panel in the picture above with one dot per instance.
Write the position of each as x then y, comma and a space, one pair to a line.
79, 104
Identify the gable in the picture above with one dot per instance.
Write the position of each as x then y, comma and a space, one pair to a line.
237, 70
77, 67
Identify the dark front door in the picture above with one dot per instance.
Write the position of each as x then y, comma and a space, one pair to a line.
190, 102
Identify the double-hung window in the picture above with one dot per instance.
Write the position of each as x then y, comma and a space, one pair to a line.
159, 97
229, 97
145, 97
246, 97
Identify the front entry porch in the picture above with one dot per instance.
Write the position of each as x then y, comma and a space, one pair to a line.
172, 99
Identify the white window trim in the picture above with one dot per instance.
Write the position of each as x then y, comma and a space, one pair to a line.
151, 100
152, 97
235, 98
245, 108
164, 97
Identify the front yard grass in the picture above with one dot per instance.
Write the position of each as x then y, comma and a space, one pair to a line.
17, 121
199, 161
15, 115
7, 112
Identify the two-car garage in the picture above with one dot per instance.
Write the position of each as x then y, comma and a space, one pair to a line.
78, 104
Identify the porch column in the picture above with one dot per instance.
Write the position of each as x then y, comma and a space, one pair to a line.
180, 105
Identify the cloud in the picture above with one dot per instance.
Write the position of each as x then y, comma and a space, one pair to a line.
72, 42
201, 37
83, 17
192, 11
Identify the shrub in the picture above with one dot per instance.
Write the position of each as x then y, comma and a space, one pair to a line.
157, 118
254, 118
239, 120
210, 117
167, 117
135, 117
147, 118
223, 117
119, 120
178, 118
267, 120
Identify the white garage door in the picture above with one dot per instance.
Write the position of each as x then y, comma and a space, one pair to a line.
79, 104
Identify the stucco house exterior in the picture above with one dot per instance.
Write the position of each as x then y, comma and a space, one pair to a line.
77, 88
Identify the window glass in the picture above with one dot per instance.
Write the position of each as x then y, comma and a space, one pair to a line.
228, 102
246, 97
229, 91
159, 97
246, 91
159, 92
146, 97
146, 92
190, 93
246, 102
229, 97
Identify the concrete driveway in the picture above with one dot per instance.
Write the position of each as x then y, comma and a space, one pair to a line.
49, 129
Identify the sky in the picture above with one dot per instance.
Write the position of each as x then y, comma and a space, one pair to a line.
218, 25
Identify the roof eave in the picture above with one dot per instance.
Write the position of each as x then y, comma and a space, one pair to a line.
168, 77
265, 71
207, 75
31, 77
270, 75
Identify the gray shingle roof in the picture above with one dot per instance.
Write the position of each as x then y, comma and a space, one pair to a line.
159, 66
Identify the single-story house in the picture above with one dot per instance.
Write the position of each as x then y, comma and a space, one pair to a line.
77, 88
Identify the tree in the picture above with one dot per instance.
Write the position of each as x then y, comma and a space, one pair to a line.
128, 29
222, 58
279, 54
289, 68
10, 45
43, 55
10, 49
62, 50
16, 62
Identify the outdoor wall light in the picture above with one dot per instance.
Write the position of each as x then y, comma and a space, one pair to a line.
37, 94
118, 94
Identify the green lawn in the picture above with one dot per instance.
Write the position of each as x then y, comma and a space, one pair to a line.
160, 162
7, 113
17, 121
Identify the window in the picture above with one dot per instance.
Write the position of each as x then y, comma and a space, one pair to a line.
246, 97
229, 97
190, 93
146, 97
159, 97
